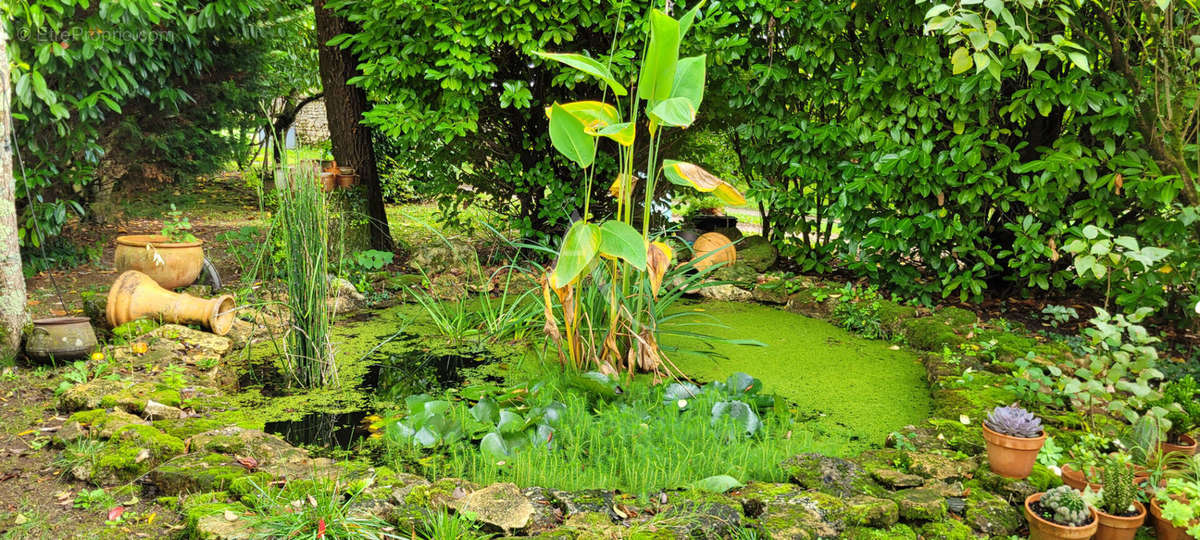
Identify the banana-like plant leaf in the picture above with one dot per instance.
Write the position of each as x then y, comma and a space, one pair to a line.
578, 249
689, 80
658, 68
686, 174
676, 111
618, 239
618, 185
569, 136
658, 261
595, 115
587, 65
624, 133
685, 22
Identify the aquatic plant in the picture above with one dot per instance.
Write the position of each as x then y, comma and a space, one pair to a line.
303, 221
315, 509
626, 267
1014, 422
1066, 506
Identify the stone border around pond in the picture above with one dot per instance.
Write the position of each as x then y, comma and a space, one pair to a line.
931, 480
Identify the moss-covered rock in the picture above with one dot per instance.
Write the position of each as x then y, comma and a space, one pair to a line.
866, 511
930, 334
186, 427
205, 516
992, 515
697, 520
920, 504
940, 467
947, 530
893, 314
896, 532
88, 395
830, 475
133, 450
199, 472
440, 493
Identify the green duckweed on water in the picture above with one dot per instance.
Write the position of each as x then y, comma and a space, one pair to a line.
853, 388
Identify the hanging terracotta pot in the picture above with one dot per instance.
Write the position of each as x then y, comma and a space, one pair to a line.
1010, 456
134, 295
721, 249
170, 264
61, 338
1120, 527
1044, 529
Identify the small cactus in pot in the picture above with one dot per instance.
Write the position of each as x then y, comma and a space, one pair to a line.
1014, 436
1059, 513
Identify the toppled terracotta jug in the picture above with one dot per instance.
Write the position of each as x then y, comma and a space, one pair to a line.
135, 295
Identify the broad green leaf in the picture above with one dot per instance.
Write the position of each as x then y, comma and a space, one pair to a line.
494, 445
685, 22
618, 239
717, 484
658, 68
569, 136
682, 173
961, 60
676, 111
1080, 60
578, 249
742, 415
589, 66
486, 411
595, 115
689, 80
624, 133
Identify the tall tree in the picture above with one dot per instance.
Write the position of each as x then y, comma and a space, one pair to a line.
344, 108
12, 281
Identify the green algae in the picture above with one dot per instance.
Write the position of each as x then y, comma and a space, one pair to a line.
854, 389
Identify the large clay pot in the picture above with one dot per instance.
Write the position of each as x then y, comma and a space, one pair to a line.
1120, 527
181, 261
1009, 456
134, 295
1187, 448
710, 243
1042, 529
61, 338
1163, 529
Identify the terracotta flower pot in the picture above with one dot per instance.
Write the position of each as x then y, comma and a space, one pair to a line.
1163, 529
1043, 529
1012, 457
1076, 479
345, 181
134, 295
61, 338
329, 165
1120, 527
328, 181
712, 242
1188, 446
180, 265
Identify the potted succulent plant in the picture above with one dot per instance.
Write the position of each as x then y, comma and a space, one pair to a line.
1118, 511
1183, 412
1060, 513
1176, 508
1014, 436
173, 258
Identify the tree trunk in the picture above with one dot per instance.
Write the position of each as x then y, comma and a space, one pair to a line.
344, 108
12, 281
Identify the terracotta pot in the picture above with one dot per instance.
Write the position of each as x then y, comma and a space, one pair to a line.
61, 338
134, 295
345, 170
708, 243
1187, 448
328, 181
1163, 529
329, 165
1120, 527
1012, 457
181, 261
347, 180
1077, 480
1042, 529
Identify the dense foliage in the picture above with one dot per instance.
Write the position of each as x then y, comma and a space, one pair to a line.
945, 183
144, 89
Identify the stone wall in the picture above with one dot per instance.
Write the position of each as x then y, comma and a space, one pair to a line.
311, 126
